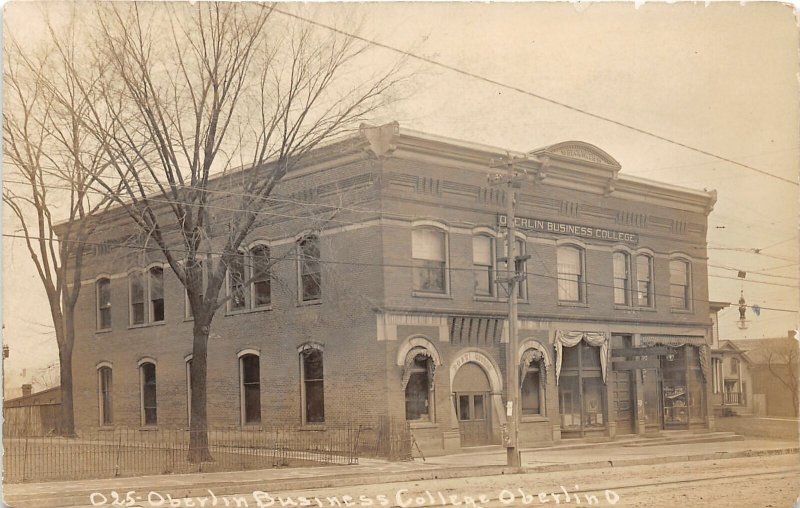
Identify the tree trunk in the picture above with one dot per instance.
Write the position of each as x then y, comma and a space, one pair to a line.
198, 426
67, 427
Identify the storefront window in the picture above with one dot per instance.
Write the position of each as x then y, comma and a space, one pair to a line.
581, 391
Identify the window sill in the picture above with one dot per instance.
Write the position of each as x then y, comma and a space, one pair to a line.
563, 303
147, 325
313, 427
252, 427
484, 298
104, 330
418, 424
425, 294
645, 309
148, 428
533, 419
107, 428
239, 312
308, 303
681, 311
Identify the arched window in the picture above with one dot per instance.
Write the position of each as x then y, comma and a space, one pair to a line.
156, 285
189, 390
309, 272
429, 253
644, 280
104, 388
532, 380
313, 386
418, 385
679, 284
250, 388
622, 280
483, 262
261, 287
103, 304
570, 274
147, 377
136, 296
236, 279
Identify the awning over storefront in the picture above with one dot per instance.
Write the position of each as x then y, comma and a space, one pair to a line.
534, 353
571, 339
697, 341
413, 353
673, 340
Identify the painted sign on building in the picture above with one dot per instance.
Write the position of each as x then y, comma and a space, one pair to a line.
562, 228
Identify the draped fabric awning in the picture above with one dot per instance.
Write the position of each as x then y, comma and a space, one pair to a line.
412, 355
534, 354
697, 341
571, 339
673, 340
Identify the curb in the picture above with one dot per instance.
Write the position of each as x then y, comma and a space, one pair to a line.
231, 488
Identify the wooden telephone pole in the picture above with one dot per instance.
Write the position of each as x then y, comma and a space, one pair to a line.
512, 179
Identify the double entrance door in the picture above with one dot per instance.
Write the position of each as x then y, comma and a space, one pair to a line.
625, 399
472, 398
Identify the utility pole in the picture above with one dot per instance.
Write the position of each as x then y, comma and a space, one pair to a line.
511, 179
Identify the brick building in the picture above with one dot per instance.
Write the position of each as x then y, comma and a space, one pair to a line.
389, 306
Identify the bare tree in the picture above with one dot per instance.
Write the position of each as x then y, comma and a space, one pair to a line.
52, 161
212, 105
783, 362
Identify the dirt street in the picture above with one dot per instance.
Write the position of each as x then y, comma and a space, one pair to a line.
748, 482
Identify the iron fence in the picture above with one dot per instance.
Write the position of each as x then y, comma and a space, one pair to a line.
133, 452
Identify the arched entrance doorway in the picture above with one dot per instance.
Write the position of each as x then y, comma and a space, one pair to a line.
472, 396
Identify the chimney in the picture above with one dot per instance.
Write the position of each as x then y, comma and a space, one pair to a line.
26, 390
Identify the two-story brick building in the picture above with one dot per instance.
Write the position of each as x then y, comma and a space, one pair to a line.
390, 306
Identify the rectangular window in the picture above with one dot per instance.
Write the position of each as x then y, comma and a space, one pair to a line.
156, 294
103, 304
251, 389
621, 278
644, 281
482, 259
530, 392
570, 274
189, 312
429, 259
310, 273
104, 374
314, 390
236, 278
149, 404
463, 408
261, 277
137, 298
679, 284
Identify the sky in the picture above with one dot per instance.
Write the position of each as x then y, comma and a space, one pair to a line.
722, 79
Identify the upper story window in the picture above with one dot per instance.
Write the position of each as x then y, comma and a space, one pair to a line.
734, 366
136, 291
520, 266
622, 278
429, 253
236, 280
644, 280
203, 282
261, 287
483, 262
679, 284
156, 284
310, 274
571, 277
103, 304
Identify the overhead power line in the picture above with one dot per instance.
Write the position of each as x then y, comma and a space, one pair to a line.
523, 91
365, 264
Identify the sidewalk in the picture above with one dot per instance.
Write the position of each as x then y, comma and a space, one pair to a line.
483, 463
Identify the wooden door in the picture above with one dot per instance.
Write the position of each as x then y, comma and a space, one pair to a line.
623, 401
474, 419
